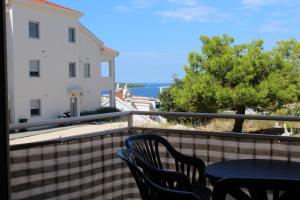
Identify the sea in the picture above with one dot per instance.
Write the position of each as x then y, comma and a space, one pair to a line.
149, 90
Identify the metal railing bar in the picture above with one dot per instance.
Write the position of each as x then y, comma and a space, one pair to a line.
67, 139
68, 120
129, 115
221, 134
215, 115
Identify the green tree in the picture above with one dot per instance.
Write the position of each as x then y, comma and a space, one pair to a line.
236, 76
168, 105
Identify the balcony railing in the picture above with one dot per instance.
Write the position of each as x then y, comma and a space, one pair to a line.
85, 166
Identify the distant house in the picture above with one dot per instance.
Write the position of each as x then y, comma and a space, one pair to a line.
55, 64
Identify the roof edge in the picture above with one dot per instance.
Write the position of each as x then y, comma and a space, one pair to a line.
109, 51
92, 35
48, 4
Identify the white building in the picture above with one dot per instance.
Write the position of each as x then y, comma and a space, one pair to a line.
55, 64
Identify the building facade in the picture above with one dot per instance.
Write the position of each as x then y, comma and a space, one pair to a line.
55, 64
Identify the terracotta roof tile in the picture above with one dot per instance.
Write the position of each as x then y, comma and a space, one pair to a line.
47, 3
109, 50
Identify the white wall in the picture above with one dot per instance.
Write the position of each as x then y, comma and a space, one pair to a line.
54, 52
90, 53
10, 62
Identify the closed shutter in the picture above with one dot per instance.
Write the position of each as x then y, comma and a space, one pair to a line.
34, 68
35, 107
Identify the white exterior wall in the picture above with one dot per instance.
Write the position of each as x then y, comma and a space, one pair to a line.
10, 60
54, 51
89, 53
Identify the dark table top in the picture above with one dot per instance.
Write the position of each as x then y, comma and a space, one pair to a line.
254, 169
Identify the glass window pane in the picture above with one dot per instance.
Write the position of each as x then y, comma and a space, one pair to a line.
72, 70
87, 70
33, 30
71, 34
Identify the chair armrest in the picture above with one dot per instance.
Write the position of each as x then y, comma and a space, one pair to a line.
190, 166
169, 179
175, 194
165, 178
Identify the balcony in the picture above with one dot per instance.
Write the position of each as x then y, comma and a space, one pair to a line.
84, 165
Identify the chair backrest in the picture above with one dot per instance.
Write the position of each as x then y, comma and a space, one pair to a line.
147, 146
154, 148
164, 178
148, 189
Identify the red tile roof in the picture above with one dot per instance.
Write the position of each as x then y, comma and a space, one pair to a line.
47, 3
109, 51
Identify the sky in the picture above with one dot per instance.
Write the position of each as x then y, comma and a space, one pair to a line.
154, 37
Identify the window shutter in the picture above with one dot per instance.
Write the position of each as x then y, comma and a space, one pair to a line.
34, 65
35, 104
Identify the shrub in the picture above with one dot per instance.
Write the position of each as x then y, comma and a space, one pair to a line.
294, 110
100, 111
168, 105
281, 112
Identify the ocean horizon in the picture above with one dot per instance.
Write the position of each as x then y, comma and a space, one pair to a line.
149, 90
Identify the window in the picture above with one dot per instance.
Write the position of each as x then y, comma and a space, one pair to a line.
72, 70
34, 31
72, 35
35, 107
34, 68
87, 70
105, 69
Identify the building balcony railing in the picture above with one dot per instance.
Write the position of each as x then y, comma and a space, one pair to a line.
85, 166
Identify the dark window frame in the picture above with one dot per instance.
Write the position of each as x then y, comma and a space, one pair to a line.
72, 35
37, 34
88, 65
72, 69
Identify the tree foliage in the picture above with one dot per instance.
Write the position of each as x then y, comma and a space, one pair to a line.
168, 105
225, 75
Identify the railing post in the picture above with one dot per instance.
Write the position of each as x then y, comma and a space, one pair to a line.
4, 138
130, 120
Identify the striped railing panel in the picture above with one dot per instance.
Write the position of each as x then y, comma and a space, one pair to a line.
87, 168
84, 168
215, 147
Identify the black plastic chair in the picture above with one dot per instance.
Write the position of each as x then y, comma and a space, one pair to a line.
148, 189
256, 189
147, 147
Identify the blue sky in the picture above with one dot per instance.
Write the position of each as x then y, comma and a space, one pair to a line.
154, 37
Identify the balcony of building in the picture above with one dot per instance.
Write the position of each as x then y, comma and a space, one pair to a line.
75, 158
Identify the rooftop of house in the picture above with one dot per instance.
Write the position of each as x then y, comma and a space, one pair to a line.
48, 3
105, 50
109, 51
